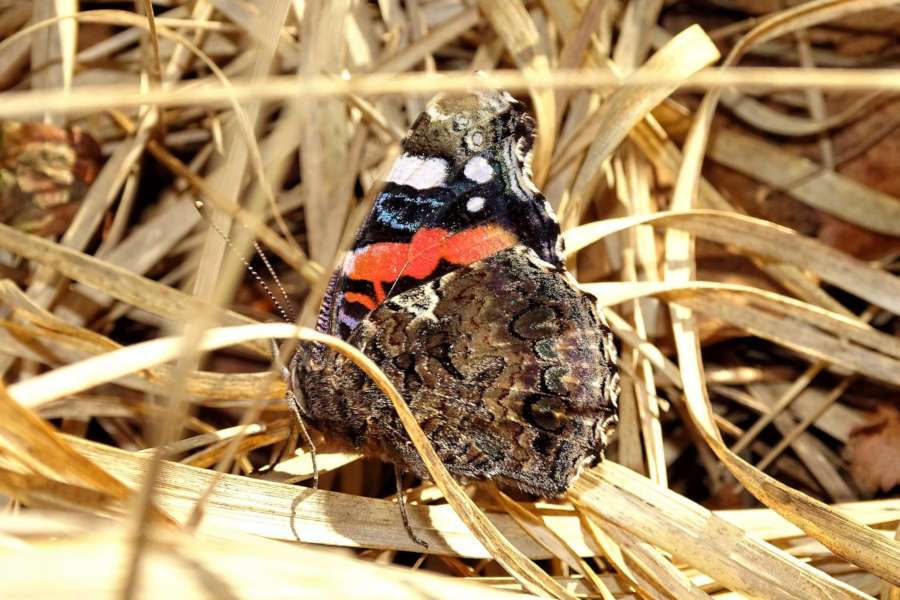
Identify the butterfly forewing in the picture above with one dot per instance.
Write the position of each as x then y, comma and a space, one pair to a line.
460, 192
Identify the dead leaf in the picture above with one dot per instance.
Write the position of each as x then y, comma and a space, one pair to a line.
45, 171
874, 451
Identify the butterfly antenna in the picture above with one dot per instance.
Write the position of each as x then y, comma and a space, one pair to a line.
291, 312
286, 310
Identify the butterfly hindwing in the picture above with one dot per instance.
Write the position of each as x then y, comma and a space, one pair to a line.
506, 366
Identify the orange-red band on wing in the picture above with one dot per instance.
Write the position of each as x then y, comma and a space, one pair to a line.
366, 301
471, 245
385, 262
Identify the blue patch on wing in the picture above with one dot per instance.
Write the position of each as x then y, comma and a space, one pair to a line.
404, 212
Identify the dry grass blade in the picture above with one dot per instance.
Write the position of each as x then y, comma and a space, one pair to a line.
720, 298
156, 70
242, 120
610, 293
198, 567
291, 513
843, 536
115, 281
739, 561
38, 491
41, 329
301, 468
610, 550
687, 53
41, 448
288, 252
324, 126
767, 119
656, 577
807, 181
555, 543
18, 105
283, 512
795, 335
215, 276
634, 38
130, 359
413, 53
764, 239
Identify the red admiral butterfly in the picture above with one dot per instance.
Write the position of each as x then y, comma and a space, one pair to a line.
455, 286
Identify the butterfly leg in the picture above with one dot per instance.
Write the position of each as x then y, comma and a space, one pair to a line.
286, 376
401, 500
292, 402
276, 360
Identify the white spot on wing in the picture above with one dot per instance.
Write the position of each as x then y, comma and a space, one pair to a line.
349, 261
478, 169
475, 204
420, 173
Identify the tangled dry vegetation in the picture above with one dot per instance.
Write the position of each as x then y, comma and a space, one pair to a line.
738, 223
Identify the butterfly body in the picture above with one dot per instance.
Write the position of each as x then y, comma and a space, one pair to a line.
456, 288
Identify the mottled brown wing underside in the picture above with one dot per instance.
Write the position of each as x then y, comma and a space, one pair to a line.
505, 364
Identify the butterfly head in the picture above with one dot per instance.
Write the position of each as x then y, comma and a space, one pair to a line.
458, 127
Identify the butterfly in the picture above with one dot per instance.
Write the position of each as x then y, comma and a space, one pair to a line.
456, 287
